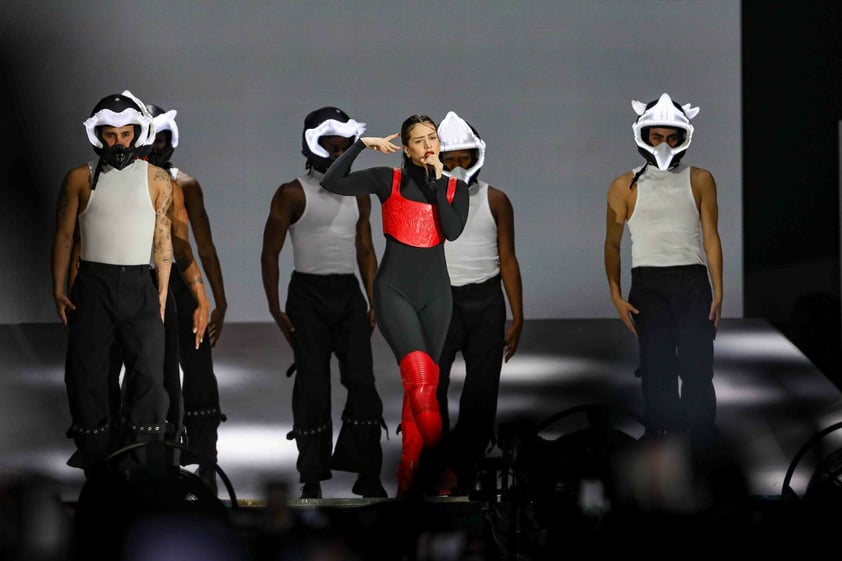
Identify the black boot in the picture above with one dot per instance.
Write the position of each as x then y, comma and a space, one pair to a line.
369, 487
208, 476
311, 491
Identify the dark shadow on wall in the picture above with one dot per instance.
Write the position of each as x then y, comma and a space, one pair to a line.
814, 327
24, 236
792, 106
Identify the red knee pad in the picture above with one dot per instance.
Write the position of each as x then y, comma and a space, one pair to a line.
418, 367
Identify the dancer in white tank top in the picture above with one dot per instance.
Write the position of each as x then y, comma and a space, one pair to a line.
326, 313
674, 303
121, 209
481, 262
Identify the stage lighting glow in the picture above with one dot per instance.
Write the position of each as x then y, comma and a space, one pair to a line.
757, 346
50, 462
44, 378
529, 369
735, 388
255, 445
230, 375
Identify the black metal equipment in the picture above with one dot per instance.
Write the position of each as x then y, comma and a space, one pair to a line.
556, 478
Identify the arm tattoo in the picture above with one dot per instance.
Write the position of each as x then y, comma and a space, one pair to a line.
161, 175
164, 177
162, 223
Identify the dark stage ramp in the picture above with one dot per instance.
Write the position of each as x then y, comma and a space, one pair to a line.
773, 404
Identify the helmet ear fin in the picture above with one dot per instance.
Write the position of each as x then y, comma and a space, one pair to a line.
638, 106
690, 111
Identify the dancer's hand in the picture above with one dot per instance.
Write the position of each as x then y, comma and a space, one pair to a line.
627, 313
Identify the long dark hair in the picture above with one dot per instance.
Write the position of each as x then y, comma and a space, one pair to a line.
410, 122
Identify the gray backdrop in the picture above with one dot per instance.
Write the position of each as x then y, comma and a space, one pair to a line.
547, 84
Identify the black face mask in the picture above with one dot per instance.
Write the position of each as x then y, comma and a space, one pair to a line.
162, 158
320, 164
118, 156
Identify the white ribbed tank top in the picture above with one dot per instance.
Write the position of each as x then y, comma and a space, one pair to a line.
324, 236
473, 257
664, 225
118, 225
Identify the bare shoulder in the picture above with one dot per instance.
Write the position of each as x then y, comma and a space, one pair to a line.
497, 199
78, 178
288, 200
193, 196
76, 187
291, 189
700, 174
702, 180
622, 182
496, 194
187, 181
621, 199
159, 176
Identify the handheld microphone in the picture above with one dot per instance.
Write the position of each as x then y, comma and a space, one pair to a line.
431, 173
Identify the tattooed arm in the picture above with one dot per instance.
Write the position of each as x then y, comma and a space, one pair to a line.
160, 188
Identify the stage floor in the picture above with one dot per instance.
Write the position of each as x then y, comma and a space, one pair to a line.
771, 400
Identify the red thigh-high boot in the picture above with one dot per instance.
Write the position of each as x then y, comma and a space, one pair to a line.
420, 377
412, 445
421, 419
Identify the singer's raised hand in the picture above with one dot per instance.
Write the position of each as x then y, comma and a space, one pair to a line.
381, 144
434, 165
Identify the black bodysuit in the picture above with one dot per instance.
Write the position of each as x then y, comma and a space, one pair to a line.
412, 288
